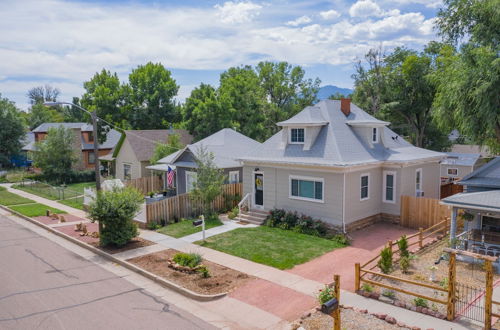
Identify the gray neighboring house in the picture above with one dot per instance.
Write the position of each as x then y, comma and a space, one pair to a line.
457, 165
227, 145
487, 177
336, 162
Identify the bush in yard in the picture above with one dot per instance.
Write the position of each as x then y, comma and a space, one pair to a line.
385, 261
187, 259
233, 213
115, 210
326, 294
367, 287
420, 302
153, 225
403, 247
203, 270
389, 294
404, 264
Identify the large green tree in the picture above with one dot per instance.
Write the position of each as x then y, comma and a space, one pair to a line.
468, 93
151, 91
162, 150
55, 154
11, 130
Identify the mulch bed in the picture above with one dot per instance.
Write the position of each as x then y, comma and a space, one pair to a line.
70, 230
49, 221
135, 243
221, 280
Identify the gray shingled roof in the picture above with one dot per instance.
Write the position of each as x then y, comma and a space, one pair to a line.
337, 143
84, 127
476, 200
461, 159
487, 175
143, 142
227, 146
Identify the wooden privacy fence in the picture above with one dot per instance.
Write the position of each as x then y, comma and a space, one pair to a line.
146, 184
183, 206
450, 189
421, 212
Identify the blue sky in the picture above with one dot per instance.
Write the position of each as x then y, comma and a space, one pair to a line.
63, 42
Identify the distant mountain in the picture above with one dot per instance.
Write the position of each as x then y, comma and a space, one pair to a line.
328, 90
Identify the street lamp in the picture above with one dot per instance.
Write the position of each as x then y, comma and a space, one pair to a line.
93, 114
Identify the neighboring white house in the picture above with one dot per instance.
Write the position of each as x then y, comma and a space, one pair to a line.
335, 162
457, 165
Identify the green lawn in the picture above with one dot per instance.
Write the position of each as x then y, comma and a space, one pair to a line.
78, 187
8, 198
275, 247
46, 191
34, 210
185, 227
77, 202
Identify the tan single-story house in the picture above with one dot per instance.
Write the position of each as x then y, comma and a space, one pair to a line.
335, 162
136, 147
457, 165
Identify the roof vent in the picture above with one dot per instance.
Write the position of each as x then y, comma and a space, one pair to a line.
345, 106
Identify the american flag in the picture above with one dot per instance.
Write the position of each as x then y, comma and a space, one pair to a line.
170, 176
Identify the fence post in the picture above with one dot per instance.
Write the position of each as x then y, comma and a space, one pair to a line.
336, 316
420, 237
389, 245
488, 296
451, 288
357, 277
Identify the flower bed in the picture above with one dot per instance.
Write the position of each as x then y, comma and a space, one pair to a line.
221, 280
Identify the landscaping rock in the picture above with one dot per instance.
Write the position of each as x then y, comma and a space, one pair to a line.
415, 328
413, 308
380, 316
425, 310
390, 320
364, 311
374, 295
366, 294
419, 309
386, 300
401, 324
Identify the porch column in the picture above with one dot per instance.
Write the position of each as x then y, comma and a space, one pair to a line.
477, 221
453, 227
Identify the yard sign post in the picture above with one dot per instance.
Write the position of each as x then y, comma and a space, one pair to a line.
203, 226
451, 287
336, 313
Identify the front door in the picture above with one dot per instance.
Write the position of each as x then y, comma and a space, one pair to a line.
259, 190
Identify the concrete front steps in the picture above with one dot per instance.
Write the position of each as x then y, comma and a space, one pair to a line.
256, 217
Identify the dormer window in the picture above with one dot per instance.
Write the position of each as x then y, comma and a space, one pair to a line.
375, 135
297, 135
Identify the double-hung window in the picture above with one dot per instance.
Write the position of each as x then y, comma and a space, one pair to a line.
389, 193
365, 181
234, 176
306, 188
453, 171
297, 135
126, 172
191, 178
91, 159
418, 180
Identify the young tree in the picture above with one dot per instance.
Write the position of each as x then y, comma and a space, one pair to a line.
115, 210
151, 92
11, 130
209, 179
162, 150
55, 154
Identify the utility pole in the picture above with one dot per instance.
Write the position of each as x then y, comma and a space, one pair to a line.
96, 153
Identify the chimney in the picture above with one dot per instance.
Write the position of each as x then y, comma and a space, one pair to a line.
345, 106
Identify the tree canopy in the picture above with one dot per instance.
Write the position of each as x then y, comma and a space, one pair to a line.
11, 130
162, 150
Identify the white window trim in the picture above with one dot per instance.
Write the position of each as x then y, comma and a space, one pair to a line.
237, 176
452, 168
361, 186
290, 135
376, 135
384, 187
306, 178
187, 173
419, 170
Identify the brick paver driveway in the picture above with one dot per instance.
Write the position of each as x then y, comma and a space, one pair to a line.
366, 243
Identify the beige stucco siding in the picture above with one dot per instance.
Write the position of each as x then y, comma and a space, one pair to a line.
356, 208
127, 156
277, 192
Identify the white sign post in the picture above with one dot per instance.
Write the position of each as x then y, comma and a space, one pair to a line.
203, 226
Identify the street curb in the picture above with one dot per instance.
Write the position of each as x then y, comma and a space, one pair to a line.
163, 282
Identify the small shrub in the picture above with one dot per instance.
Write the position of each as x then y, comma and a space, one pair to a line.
420, 302
153, 225
233, 213
444, 283
151, 194
367, 287
389, 294
403, 247
385, 261
419, 277
204, 272
326, 294
404, 264
187, 259
341, 238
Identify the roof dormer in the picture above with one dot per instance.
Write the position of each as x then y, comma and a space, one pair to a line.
303, 128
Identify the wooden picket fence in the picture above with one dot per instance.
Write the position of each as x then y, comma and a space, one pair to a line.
146, 185
183, 206
421, 212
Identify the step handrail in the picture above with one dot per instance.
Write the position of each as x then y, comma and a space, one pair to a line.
240, 204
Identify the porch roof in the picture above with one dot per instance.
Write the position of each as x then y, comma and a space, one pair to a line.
160, 167
483, 200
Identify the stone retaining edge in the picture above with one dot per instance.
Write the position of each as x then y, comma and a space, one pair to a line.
163, 282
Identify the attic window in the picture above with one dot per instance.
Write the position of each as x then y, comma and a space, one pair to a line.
297, 135
375, 135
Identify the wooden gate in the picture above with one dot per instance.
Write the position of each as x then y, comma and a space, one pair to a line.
421, 212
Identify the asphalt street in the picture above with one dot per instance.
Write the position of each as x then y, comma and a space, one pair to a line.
44, 286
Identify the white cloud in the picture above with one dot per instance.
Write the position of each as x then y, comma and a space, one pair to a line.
238, 12
427, 3
365, 8
329, 14
299, 21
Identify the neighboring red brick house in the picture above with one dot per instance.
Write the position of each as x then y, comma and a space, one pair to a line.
83, 142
